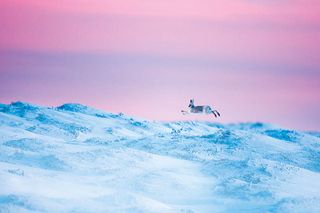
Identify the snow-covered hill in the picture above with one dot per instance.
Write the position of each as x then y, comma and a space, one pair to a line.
74, 158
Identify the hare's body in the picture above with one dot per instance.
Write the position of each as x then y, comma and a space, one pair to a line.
200, 109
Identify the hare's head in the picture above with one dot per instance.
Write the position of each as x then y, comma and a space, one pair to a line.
191, 104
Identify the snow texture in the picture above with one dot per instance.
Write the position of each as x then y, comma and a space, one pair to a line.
74, 158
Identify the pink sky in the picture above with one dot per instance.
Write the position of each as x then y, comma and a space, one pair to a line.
253, 60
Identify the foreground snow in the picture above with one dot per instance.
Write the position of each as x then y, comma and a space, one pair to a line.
77, 159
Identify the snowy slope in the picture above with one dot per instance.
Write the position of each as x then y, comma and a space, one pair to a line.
74, 158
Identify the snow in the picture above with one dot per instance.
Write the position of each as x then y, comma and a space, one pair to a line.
75, 158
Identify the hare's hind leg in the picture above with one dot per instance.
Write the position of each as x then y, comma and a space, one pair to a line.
214, 114
212, 111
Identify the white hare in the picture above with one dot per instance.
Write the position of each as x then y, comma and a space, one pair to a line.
200, 109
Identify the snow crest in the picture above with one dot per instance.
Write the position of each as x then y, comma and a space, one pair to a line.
74, 158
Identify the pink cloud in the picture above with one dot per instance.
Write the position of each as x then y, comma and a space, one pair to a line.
261, 56
273, 31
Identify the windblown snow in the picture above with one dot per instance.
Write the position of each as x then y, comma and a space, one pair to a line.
74, 158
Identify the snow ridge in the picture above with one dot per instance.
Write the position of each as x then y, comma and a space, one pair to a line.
74, 158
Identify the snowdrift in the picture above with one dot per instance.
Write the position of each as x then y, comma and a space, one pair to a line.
74, 158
